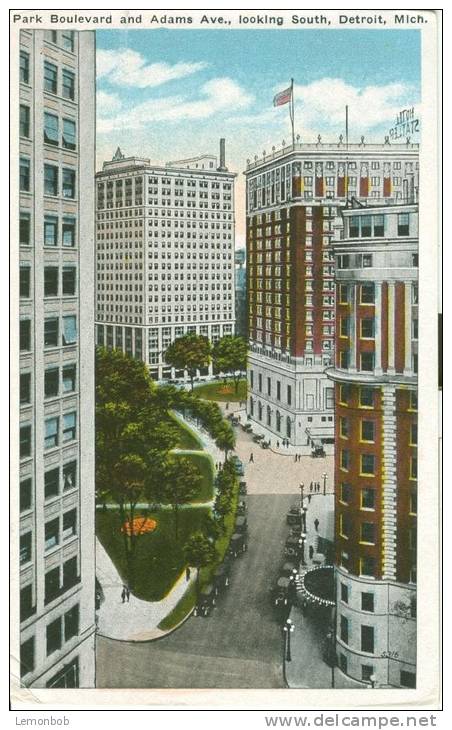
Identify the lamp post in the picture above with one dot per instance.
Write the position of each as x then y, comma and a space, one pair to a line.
301, 504
305, 509
325, 477
288, 628
301, 543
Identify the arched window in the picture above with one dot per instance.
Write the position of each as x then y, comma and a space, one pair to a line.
288, 427
278, 421
269, 416
252, 406
259, 408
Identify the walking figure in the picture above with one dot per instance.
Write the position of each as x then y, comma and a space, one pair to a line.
127, 593
309, 498
187, 573
123, 594
296, 457
311, 552
277, 444
316, 524
310, 487
227, 406
251, 458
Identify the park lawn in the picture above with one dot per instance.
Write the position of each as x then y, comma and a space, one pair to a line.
159, 559
220, 391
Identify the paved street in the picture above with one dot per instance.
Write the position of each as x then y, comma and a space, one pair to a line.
239, 645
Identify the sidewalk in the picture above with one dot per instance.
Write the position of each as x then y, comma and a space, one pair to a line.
136, 620
307, 669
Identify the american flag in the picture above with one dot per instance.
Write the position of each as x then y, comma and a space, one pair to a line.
283, 97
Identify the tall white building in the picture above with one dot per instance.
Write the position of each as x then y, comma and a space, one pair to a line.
56, 88
165, 255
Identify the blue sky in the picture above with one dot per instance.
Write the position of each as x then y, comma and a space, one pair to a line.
169, 94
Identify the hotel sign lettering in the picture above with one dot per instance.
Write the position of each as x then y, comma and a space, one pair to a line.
406, 124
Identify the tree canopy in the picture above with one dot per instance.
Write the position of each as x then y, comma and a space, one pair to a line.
230, 356
191, 352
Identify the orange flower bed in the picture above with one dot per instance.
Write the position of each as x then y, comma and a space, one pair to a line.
226, 389
139, 526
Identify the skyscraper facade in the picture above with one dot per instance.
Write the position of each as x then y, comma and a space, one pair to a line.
375, 381
165, 255
56, 331
294, 198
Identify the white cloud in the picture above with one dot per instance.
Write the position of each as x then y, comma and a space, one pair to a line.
321, 104
129, 68
216, 96
107, 104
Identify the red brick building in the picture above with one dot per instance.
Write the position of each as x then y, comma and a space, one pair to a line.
375, 379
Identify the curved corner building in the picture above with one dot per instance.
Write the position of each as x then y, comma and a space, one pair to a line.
375, 380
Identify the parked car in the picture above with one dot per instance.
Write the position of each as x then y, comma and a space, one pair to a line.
221, 577
258, 437
266, 444
288, 569
242, 507
206, 601
242, 487
237, 545
293, 517
247, 427
280, 593
291, 548
241, 525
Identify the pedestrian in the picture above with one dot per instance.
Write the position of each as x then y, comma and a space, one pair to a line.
311, 552
296, 457
309, 498
227, 406
239, 417
187, 573
277, 444
316, 524
128, 593
251, 458
311, 486
123, 594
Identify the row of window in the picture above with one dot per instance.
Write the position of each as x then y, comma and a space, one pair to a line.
368, 463
57, 530
51, 332
55, 380
52, 129
56, 431
373, 226
58, 632
56, 231
52, 276
52, 175
56, 582
56, 480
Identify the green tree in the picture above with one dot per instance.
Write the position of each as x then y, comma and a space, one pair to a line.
190, 352
179, 484
133, 437
225, 438
230, 356
199, 552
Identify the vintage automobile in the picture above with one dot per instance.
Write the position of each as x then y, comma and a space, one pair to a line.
242, 507
317, 450
206, 601
247, 427
221, 577
241, 525
266, 444
293, 516
280, 593
288, 569
242, 488
258, 437
291, 548
238, 545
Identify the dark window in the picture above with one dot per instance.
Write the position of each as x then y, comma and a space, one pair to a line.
69, 279
51, 382
289, 395
69, 232
367, 361
25, 388
367, 639
344, 393
367, 566
345, 459
24, 174
24, 229
69, 378
367, 294
415, 329
368, 532
50, 180
269, 386
367, 464
344, 359
24, 281
343, 425
24, 69
24, 121
51, 281
50, 231
367, 431
51, 135
52, 483
366, 397
70, 573
344, 629
70, 475
71, 622
25, 334
25, 548
51, 332
368, 327
51, 436
368, 498
251, 379
69, 524
52, 533
343, 293
354, 226
278, 390
415, 260
346, 492
25, 441
26, 602
345, 324
68, 183
367, 671
67, 677
379, 225
403, 224
260, 383
52, 584
27, 656
54, 636
50, 77
366, 226
68, 84
344, 593
343, 262
367, 602
69, 138
69, 330
25, 495
343, 663
408, 679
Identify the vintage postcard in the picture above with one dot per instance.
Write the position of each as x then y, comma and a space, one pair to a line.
224, 382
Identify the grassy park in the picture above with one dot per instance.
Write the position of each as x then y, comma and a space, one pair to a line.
222, 391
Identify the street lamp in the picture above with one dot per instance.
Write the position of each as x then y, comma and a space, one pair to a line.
305, 509
301, 497
288, 629
301, 543
325, 477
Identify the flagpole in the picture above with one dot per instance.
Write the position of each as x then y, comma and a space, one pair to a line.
292, 114
346, 155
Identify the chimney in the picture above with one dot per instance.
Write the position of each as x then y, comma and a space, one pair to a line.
222, 167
